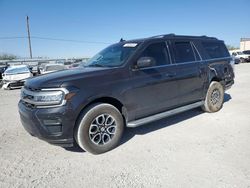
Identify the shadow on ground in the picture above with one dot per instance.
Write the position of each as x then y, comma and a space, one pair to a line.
75, 148
164, 123
129, 133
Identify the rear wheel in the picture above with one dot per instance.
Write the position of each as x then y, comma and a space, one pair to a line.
99, 128
214, 97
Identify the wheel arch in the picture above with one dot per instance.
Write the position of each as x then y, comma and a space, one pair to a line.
214, 74
215, 78
109, 100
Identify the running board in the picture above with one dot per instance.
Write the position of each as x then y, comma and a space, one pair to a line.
161, 115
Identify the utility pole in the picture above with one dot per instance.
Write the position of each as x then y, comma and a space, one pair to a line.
28, 30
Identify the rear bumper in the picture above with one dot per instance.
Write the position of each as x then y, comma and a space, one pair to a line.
54, 126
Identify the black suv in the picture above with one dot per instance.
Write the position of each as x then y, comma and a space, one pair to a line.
129, 83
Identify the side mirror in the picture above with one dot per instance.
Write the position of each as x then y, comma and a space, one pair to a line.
144, 62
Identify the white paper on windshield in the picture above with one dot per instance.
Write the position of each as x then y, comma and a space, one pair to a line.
131, 45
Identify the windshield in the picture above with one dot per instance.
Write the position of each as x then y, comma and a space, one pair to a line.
17, 70
112, 56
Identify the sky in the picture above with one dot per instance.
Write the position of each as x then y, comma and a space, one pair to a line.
87, 27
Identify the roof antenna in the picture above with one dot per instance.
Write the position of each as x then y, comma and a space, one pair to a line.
122, 40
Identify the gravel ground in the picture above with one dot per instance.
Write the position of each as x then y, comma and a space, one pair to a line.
192, 149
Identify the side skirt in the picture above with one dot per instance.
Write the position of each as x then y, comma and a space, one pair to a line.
139, 122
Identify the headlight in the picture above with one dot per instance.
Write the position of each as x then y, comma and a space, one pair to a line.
45, 97
49, 98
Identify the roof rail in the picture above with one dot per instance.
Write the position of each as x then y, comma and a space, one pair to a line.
205, 36
163, 36
169, 35
181, 36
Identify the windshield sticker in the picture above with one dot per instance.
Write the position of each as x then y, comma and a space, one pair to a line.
131, 45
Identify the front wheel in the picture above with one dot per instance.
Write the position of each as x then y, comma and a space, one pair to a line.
99, 128
214, 97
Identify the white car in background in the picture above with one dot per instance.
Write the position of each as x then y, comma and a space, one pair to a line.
240, 55
48, 68
15, 76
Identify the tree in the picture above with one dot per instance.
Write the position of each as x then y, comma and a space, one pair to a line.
5, 56
229, 47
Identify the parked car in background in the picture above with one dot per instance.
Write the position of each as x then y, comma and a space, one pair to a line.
246, 52
61, 61
74, 65
240, 55
3, 67
48, 68
67, 64
41, 65
33, 67
127, 84
34, 70
236, 59
15, 76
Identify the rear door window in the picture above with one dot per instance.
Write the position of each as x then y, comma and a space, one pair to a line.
215, 49
183, 52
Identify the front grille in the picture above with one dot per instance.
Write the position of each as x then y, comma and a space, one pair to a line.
17, 84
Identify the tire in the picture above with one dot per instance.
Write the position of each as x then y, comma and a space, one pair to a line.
1, 84
214, 97
99, 128
242, 60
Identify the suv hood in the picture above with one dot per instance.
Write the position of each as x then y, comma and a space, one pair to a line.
56, 79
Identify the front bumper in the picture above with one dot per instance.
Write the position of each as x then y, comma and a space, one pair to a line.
53, 125
13, 84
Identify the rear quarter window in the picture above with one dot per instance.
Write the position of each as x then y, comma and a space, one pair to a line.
215, 49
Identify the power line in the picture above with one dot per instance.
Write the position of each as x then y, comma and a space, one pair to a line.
53, 39
69, 40
6, 38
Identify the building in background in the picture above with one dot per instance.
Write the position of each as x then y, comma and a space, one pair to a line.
244, 44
